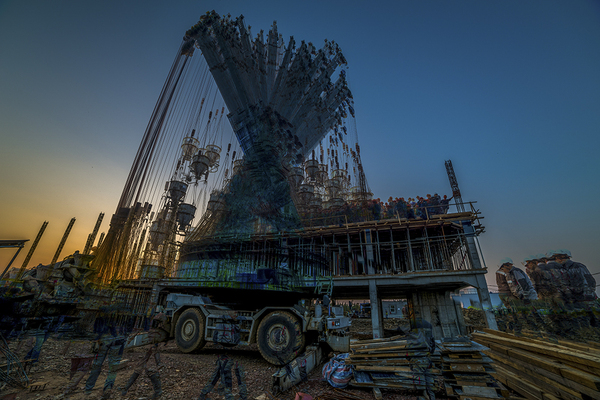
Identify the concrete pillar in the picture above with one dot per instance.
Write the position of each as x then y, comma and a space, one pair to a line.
410, 254
369, 250
376, 312
486, 301
471, 246
393, 254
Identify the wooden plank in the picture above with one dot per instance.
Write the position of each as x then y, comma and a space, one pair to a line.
388, 385
392, 354
387, 361
467, 383
545, 384
585, 347
483, 360
566, 345
525, 389
382, 368
546, 376
575, 375
478, 391
368, 341
470, 355
563, 355
467, 368
385, 350
380, 347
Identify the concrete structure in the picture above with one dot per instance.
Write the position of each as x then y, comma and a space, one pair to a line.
421, 260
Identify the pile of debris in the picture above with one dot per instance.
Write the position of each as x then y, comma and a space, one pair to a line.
402, 362
539, 369
466, 370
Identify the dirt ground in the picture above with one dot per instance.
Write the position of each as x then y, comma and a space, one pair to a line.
184, 375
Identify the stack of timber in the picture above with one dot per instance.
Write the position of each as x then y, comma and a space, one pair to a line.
466, 371
539, 369
399, 362
557, 340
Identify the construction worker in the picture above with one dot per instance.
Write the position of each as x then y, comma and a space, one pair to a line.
534, 273
559, 280
513, 284
547, 280
581, 281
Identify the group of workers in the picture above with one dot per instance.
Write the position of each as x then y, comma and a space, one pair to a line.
552, 277
419, 207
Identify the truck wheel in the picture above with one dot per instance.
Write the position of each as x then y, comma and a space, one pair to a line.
280, 338
189, 331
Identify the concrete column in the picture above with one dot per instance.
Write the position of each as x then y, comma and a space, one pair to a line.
471, 246
369, 252
486, 302
376, 312
410, 254
393, 254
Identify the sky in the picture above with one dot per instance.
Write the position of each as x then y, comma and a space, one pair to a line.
507, 90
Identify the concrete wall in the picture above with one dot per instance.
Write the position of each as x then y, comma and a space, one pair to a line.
441, 311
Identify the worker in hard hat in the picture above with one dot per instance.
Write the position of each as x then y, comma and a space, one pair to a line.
559, 281
513, 284
548, 287
581, 281
534, 273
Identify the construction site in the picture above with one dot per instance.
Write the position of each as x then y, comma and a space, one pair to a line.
247, 233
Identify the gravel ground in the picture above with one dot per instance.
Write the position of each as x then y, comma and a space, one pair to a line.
184, 375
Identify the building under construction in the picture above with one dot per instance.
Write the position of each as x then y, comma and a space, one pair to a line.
249, 181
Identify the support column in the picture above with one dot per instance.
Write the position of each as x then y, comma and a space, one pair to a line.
486, 302
393, 254
410, 254
376, 319
471, 247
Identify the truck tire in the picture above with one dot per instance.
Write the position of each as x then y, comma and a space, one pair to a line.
280, 338
189, 331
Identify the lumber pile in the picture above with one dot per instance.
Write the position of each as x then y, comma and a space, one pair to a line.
466, 371
539, 369
557, 340
401, 362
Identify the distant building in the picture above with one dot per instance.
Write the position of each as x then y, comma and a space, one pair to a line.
468, 298
393, 308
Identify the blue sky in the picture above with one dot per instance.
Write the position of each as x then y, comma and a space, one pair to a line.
508, 90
